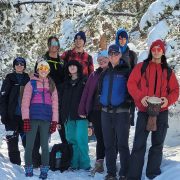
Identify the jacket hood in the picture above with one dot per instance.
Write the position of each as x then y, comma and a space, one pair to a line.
123, 48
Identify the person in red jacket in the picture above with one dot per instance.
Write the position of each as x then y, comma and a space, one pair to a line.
142, 86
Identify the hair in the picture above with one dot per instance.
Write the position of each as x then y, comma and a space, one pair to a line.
50, 39
163, 60
51, 85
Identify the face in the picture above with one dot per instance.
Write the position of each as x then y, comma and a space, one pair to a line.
122, 40
114, 57
157, 52
73, 69
103, 62
43, 71
19, 67
54, 46
79, 42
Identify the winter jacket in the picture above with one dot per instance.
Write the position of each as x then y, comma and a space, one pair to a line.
143, 85
113, 86
57, 68
83, 58
90, 89
10, 96
70, 98
40, 105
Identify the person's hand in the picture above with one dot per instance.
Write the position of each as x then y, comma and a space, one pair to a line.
144, 101
52, 128
26, 126
164, 102
82, 116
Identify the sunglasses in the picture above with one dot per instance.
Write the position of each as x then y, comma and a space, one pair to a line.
54, 43
113, 53
156, 49
44, 68
19, 64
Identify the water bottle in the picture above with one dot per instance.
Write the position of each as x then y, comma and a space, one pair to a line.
58, 159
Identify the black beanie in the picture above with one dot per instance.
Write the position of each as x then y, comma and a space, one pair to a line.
82, 35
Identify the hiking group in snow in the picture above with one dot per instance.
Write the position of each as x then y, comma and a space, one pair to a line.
65, 93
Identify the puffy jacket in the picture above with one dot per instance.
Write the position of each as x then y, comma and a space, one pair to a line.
144, 85
41, 105
10, 93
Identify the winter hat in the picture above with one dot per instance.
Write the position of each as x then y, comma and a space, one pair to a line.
43, 63
159, 43
114, 48
82, 35
103, 53
19, 60
123, 34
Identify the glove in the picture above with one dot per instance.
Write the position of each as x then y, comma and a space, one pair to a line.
27, 126
151, 123
53, 127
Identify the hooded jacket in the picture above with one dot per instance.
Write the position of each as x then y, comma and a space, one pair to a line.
143, 85
41, 105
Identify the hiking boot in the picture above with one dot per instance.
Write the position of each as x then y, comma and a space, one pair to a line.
28, 171
110, 177
44, 172
98, 168
122, 178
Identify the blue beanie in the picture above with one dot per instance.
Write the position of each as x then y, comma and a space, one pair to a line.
114, 48
20, 60
82, 35
103, 53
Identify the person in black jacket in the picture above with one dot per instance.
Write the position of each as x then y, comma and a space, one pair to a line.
76, 128
10, 107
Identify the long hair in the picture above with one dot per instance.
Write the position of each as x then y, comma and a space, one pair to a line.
51, 85
50, 39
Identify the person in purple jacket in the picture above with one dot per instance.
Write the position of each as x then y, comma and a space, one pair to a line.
89, 106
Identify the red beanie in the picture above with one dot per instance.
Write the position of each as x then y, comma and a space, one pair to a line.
159, 43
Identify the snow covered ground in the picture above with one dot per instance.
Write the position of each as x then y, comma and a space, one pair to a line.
170, 163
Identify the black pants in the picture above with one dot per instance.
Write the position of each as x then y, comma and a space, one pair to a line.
115, 127
62, 134
12, 140
139, 147
95, 118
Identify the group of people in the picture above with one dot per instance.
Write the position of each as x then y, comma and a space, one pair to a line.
65, 93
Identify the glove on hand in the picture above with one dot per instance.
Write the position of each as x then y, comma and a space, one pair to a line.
27, 126
53, 127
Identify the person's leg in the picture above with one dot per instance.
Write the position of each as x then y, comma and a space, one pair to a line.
139, 148
70, 129
155, 152
109, 137
30, 138
100, 149
122, 125
62, 134
44, 136
82, 141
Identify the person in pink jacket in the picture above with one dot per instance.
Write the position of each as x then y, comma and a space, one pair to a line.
39, 110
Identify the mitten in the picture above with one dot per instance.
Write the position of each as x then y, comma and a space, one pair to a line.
151, 123
53, 127
27, 126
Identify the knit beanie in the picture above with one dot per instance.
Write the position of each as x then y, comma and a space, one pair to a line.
19, 60
114, 48
159, 43
82, 35
103, 53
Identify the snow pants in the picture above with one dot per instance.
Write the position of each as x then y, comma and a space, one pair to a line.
115, 128
77, 135
139, 147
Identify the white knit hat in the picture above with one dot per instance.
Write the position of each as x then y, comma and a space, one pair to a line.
43, 63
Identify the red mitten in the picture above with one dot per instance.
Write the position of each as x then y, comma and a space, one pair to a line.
53, 127
27, 126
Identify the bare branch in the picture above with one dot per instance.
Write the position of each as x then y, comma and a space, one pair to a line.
119, 14
31, 2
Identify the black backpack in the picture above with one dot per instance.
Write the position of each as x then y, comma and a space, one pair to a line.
60, 157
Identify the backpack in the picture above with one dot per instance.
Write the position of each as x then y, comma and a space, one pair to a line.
60, 157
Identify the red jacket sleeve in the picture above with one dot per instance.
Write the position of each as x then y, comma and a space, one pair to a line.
173, 87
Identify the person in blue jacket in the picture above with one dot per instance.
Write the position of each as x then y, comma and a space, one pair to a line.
115, 102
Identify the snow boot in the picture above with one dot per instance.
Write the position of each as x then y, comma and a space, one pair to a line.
99, 167
28, 170
110, 177
44, 172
